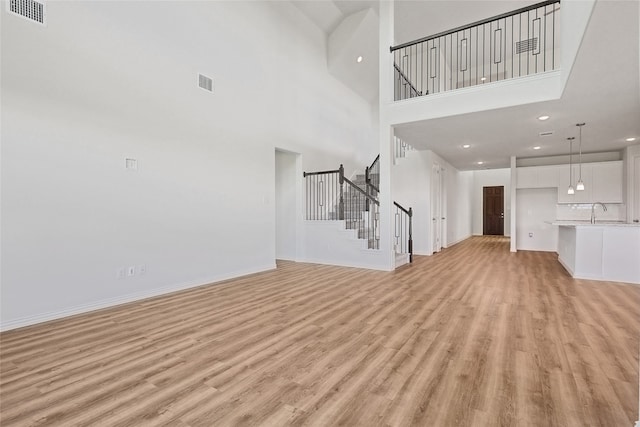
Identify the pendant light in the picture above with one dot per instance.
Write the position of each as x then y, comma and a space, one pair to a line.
580, 184
570, 190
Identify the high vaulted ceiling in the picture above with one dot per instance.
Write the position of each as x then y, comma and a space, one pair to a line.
603, 89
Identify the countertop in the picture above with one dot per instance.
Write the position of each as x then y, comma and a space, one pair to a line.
597, 224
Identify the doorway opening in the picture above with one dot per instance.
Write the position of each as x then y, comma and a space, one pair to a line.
438, 208
286, 204
493, 211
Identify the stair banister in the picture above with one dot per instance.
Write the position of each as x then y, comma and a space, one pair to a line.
400, 229
341, 202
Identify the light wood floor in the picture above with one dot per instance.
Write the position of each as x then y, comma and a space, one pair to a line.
473, 336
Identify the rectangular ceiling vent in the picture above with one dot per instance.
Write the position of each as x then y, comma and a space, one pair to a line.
548, 133
527, 45
32, 10
205, 82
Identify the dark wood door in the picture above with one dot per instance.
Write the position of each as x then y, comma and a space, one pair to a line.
493, 211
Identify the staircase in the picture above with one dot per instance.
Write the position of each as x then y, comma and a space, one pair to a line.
358, 212
330, 196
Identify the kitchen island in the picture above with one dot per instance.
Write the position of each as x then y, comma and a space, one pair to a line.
601, 251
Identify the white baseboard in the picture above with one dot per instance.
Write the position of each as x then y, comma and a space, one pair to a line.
124, 299
345, 264
566, 267
449, 244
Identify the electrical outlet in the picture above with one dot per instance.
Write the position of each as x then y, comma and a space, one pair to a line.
131, 270
120, 273
142, 269
530, 234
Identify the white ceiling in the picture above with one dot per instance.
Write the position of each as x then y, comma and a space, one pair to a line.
416, 19
327, 14
603, 90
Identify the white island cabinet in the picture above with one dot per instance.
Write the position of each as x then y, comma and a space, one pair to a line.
601, 251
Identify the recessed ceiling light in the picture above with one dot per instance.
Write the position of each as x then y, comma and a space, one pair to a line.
537, 147
543, 118
631, 139
483, 79
359, 59
466, 146
480, 163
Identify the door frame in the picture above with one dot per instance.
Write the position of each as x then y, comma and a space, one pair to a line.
299, 205
484, 209
435, 243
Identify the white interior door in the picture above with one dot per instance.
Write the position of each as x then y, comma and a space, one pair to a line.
636, 190
443, 209
286, 204
436, 205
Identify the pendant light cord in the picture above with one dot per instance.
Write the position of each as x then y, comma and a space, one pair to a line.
580, 127
570, 160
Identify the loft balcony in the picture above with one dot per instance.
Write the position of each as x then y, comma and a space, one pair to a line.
516, 44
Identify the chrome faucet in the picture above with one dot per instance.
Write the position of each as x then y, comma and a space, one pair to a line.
593, 211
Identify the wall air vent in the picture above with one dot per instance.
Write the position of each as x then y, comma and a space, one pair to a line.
528, 45
28, 9
205, 82
547, 133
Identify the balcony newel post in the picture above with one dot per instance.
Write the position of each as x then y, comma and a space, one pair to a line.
410, 235
341, 203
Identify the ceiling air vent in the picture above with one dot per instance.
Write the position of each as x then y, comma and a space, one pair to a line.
547, 133
29, 9
205, 82
527, 45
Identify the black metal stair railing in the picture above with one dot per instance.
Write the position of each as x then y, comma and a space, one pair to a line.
324, 195
403, 88
403, 231
400, 148
514, 44
372, 176
333, 197
362, 213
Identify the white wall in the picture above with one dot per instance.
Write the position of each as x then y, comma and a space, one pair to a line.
535, 210
632, 182
541, 87
490, 178
411, 179
459, 205
286, 206
104, 81
410, 183
330, 242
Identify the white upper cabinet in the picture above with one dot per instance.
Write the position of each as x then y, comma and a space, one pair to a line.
603, 181
537, 177
583, 196
607, 188
548, 176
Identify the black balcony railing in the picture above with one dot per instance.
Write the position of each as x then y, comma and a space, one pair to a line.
514, 44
